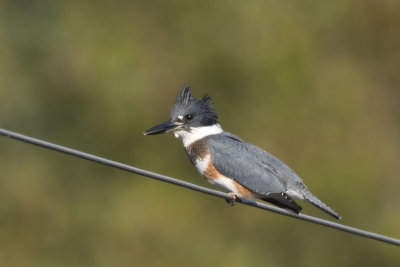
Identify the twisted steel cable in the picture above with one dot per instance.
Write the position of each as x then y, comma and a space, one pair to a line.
205, 190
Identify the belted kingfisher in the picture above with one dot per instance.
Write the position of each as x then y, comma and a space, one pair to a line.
242, 169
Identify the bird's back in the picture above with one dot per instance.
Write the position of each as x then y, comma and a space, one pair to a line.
250, 165
261, 172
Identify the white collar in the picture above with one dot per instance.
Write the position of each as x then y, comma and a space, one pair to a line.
197, 133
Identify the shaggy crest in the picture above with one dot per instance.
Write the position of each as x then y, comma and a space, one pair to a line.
185, 103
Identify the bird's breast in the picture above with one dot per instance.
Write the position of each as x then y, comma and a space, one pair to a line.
200, 156
206, 168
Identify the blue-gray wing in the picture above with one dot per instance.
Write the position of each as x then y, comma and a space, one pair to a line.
248, 165
260, 172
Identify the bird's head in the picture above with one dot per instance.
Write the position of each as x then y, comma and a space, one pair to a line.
187, 115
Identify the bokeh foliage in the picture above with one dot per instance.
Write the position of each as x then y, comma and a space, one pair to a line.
314, 82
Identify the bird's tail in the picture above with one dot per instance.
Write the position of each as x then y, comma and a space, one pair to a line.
283, 201
319, 204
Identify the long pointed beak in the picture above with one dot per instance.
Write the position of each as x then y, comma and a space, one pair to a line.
162, 128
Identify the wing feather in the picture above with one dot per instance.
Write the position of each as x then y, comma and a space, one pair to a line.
245, 163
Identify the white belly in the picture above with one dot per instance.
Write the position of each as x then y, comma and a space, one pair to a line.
220, 181
202, 164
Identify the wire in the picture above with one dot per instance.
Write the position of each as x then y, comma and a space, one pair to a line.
205, 190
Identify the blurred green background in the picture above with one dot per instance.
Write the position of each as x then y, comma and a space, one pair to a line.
315, 83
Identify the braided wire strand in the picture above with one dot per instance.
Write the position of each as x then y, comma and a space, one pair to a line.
191, 186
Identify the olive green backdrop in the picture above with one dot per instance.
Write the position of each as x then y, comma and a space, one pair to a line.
315, 83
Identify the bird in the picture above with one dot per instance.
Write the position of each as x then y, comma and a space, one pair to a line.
241, 169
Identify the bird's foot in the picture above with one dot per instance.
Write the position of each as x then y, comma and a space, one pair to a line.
231, 201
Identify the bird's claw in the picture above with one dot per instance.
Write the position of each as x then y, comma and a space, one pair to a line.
232, 199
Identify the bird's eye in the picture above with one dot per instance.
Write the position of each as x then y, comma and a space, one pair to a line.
189, 117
